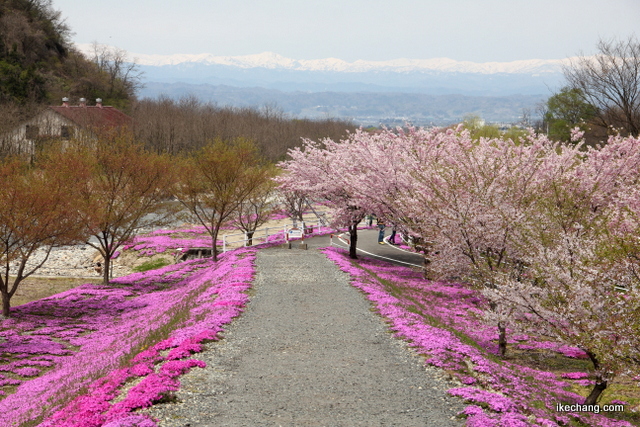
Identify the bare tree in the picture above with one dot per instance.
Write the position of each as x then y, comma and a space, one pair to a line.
117, 188
217, 179
256, 209
35, 214
188, 124
610, 81
295, 204
33, 30
124, 75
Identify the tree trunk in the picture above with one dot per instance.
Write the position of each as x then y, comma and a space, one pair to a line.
6, 304
250, 238
214, 248
106, 268
422, 246
426, 274
353, 235
600, 386
502, 339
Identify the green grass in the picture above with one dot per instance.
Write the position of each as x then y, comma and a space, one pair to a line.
36, 288
152, 265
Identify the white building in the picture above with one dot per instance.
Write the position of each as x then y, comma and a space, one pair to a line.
64, 122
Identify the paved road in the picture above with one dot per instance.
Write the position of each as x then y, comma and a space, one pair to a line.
309, 351
368, 247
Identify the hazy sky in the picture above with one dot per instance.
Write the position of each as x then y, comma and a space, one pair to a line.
469, 30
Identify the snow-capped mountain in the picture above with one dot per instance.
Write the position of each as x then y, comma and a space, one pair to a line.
438, 90
274, 61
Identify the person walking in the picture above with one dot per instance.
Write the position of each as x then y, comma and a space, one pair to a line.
381, 227
392, 238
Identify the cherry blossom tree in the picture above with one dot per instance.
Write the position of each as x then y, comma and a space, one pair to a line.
576, 258
462, 198
545, 230
324, 172
532, 224
363, 173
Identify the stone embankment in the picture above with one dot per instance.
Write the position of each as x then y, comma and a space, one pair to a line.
70, 261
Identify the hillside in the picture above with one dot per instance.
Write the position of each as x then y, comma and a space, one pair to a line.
33, 46
39, 64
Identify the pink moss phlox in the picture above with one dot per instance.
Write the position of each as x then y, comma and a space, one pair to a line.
279, 215
573, 352
27, 372
162, 240
33, 345
585, 383
150, 355
109, 324
185, 349
140, 369
568, 351
164, 344
152, 388
476, 417
174, 368
87, 410
618, 402
575, 375
13, 366
4, 381
496, 402
468, 380
512, 387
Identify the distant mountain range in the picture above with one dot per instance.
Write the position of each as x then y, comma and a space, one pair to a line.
274, 61
424, 91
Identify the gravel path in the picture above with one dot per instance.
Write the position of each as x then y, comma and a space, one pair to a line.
308, 351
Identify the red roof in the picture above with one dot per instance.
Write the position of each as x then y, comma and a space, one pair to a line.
93, 116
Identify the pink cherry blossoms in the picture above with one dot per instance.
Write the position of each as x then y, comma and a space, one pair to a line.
545, 231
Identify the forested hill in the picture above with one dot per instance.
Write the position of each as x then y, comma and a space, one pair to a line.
39, 65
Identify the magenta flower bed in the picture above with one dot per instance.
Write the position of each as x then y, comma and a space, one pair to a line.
160, 241
69, 355
279, 215
438, 320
